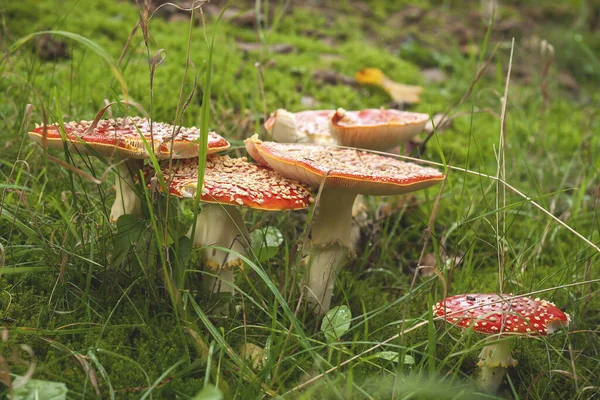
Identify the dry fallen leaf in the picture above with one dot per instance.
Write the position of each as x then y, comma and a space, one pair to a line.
255, 354
429, 262
427, 265
399, 92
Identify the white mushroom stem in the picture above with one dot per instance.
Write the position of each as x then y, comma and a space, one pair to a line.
359, 220
331, 246
223, 226
494, 361
127, 200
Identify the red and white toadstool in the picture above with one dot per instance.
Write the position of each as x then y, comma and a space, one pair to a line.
124, 138
375, 129
344, 173
229, 183
496, 315
310, 126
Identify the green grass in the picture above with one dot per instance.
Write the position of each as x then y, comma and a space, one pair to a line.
85, 294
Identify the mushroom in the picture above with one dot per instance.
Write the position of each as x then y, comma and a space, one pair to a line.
124, 138
500, 316
344, 173
375, 129
302, 127
229, 183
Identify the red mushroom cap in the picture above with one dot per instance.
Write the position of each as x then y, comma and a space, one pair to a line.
490, 314
121, 136
376, 129
346, 169
237, 182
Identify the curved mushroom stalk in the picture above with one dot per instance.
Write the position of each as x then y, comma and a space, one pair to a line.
494, 361
324, 263
331, 246
126, 201
221, 225
359, 221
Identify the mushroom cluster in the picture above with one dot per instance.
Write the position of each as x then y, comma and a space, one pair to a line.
229, 182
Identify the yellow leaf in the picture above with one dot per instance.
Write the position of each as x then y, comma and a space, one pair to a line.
399, 92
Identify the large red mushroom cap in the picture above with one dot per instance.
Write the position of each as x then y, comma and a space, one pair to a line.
375, 129
235, 181
350, 170
492, 314
122, 136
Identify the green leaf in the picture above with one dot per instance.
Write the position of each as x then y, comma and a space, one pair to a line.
210, 392
393, 356
41, 390
336, 322
266, 242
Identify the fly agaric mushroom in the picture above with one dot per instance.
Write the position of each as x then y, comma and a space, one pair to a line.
500, 316
228, 183
122, 137
375, 129
301, 127
346, 173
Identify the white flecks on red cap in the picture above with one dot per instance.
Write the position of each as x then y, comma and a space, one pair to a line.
124, 135
374, 117
376, 129
495, 314
348, 169
235, 181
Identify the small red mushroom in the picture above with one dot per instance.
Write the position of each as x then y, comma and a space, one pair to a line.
492, 314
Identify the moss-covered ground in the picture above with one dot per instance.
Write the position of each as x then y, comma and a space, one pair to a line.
88, 299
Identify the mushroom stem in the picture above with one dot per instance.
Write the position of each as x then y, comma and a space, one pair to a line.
495, 359
331, 246
126, 200
359, 220
222, 282
221, 225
